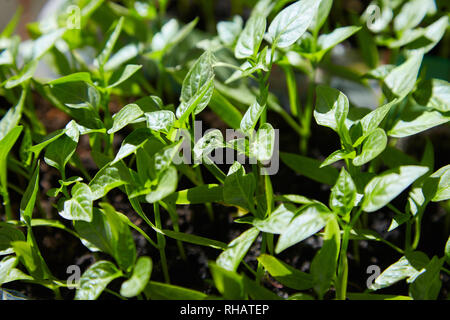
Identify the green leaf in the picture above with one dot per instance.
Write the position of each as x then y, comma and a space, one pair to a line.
225, 110
12, 117
167, 185
59, 152
437, 185
139, 279
323, 266
131, 143
290, 24
29, 197
277, 221
162, 120
106, 179
427, 284
263, 143
74, 77
343, 194
237, 249
411, 14
95, 279
79, 207
110, 43
371, 296
308, 221
24, 74
406, 267
372, 147
251, 116
6, 265
163, 291
310, 168
331, 110
434, 93
125, 116
197, 86
29, 256
228, 283
239, 188
402, 79
285, 274
124, 249
251, 37
200, 194
417, 120
388, 185
228, 31
9, 234
37, 148
447, 250
336, 156
211, 140
321, 16
330, 40
124, 74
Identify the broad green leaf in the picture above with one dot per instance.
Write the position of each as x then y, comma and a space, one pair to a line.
228, 283
434, 93
251, 116
290, 24
131, 143
30, 258
372, 120
211, 140
331, 110
330, 40
59, 152
308, 221
124, 74
336, 156
434, 33
405, 267
321, 15
29, 197
74, 77
167, 185
424, 120
122, 55
95, 279
427, 284
237, 249
37, 148
200, 194
124, 249
343, 194
310, 168
6, 265
139, 279
277, 221
110, 43
372, 147
44, 43
251, 37
411, 14
323, 266
12, 117
388, 185
9, 234
125, 116
225, 110
106, 179
263, 143
163, 291
161, 120
239, 188
285, 274
197, 85
402, 79
171, 35
437, 185
229, 31
25, 74
79, 207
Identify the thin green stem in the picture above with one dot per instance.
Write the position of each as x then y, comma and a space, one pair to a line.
161, 243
